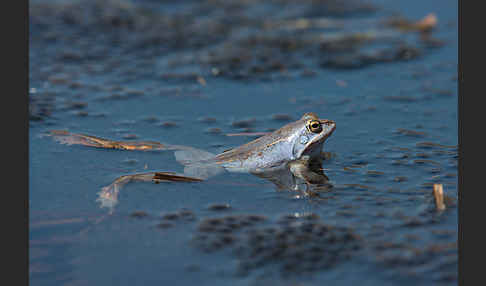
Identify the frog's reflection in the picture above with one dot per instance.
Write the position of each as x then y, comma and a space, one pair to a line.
300, 175
304, 175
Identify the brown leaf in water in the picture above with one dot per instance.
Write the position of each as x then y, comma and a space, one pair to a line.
426, 24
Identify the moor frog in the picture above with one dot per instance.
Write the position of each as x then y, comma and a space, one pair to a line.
290, 157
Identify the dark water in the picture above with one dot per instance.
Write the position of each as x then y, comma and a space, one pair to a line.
396, 135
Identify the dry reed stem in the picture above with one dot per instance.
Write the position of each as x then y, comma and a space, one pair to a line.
439, 197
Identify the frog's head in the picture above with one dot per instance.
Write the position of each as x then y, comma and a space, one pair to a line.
310, 134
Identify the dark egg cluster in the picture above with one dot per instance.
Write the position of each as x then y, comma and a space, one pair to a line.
295, 244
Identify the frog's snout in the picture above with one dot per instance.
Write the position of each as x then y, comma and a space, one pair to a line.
329, 123
328, 126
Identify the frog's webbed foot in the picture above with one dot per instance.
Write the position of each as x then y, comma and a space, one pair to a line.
197, 163
65, 137
108, 196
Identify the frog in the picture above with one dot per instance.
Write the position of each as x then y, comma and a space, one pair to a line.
290, 157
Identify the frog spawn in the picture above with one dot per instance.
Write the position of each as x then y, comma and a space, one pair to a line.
293, 243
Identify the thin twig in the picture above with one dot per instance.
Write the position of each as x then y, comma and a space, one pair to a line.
247, 134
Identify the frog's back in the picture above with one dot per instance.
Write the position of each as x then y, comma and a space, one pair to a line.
267, 151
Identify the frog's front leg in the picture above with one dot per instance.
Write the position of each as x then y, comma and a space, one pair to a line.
65, 137
108, 197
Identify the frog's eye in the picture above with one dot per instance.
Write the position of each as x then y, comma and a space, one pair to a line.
314, 126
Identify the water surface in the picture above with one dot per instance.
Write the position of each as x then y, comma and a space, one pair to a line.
396, 135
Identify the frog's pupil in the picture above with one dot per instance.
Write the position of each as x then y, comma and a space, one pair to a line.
315, 125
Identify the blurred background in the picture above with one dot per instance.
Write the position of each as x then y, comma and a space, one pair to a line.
199, 73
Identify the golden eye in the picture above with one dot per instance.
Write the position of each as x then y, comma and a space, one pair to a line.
314, 126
